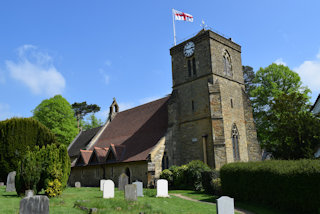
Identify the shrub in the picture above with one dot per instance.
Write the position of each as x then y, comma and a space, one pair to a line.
216, 186
16, 135
54, 188
179, 176
288, 185
193, 173
167, 174
28, 173
206, 178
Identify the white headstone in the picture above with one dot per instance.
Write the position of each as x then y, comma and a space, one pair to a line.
225, 205
162, 188
11, 182
101, 184
77, 184
139, 188
108, 189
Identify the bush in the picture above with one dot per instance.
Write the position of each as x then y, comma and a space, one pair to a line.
193, 173
28, 173
16, 135
185, 176
288, 185
207, 178
54, 188
167, 174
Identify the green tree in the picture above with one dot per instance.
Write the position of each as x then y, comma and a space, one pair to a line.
92, 122
248, 76
56, 113
82, 109
272, 84
16, 135
293, 131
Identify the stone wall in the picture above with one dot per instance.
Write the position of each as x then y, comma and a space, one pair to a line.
91, 175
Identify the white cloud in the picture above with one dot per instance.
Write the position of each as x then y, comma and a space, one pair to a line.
35, 69
108, 63
280, 62
106, 77
5, 111
2, 77
309, 72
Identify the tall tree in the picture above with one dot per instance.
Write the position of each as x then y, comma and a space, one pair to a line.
293, 131
56, 114
272, 83
92, 122
82, 109
248, 76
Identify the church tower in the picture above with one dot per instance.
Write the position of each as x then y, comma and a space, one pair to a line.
210, 116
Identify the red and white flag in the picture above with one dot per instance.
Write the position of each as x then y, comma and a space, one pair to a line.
182, 16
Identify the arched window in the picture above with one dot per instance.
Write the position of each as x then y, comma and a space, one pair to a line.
227, 64
235, 143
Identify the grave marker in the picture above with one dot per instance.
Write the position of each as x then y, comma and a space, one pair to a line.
77, 184
225, 205
139, 188
162, 188
108, 189
11, 182
38, 204
123, 180
130, 192
101, 184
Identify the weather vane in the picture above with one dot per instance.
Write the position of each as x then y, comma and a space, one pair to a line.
203, 25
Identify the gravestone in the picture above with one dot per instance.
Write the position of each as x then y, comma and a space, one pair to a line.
29, 193
139, 188
11, 182
1, 184
225, 205
162, 188
101, 184
77, 184
38, 204
108, 189
130, 192
123, 180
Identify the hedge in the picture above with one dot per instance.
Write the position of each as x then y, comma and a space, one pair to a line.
16, 135
287, 185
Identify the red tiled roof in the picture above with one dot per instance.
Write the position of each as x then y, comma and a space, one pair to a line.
101, 154
133, 133
84, 156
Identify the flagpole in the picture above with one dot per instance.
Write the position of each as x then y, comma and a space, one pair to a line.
174, 29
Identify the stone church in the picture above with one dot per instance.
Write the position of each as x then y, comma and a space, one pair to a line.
207, 117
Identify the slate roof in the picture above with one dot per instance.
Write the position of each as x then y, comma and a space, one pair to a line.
132, 133
138, 130
316, 106
82, 141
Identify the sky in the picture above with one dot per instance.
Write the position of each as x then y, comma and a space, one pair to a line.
96, 50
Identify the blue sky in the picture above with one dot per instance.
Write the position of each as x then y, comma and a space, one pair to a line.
96, 50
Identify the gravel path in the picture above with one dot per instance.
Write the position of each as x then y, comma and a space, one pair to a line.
242, 211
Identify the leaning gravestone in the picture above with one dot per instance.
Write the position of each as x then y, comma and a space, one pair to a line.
225, 205
130, 192
1, 184
162, 188
38, 204
29, 193
108, 189
139, 188
123, 180
101, 184
11, 182
77, 184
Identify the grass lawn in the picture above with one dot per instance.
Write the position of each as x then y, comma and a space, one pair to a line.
259, 209
92, 197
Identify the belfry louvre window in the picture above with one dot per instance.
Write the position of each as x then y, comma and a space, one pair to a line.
235, 143
192, 68
227, 67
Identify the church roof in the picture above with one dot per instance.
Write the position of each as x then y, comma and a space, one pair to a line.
81, 141
132, 134
316, 106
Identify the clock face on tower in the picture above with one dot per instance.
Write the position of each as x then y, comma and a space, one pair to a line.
188, 49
